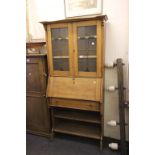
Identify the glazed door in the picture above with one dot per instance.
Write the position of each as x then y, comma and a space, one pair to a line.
60, 49
87, 46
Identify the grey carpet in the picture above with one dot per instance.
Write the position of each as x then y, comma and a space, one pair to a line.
64, 145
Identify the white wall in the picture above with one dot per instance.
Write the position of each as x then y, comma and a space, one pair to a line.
43, 10
116, 45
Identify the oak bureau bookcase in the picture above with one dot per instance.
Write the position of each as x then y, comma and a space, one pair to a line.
76, 75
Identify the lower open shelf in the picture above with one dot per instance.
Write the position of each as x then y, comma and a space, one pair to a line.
78, 129
78, 115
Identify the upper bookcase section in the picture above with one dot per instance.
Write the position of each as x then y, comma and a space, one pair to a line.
75, 47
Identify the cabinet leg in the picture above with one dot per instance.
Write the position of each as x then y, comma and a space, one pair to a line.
101, 144
52, 136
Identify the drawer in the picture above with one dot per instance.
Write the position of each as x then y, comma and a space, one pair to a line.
75, 104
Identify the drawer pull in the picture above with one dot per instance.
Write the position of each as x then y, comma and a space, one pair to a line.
30, 74
28, 60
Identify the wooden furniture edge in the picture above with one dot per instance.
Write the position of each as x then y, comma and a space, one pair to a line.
101, 17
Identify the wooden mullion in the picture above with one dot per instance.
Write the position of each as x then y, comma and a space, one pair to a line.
71, 48
75, 50
98, 49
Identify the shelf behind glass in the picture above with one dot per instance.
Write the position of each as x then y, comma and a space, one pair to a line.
87, 56
80, 56
87, 37
61, 57
60, 38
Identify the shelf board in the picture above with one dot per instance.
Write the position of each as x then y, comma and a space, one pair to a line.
87, 56
80, 56
78, 116
87, 37
60, 38
74, 128
61, 57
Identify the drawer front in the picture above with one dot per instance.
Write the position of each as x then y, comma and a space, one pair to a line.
75, 104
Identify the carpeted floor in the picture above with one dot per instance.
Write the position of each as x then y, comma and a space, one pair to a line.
64, 145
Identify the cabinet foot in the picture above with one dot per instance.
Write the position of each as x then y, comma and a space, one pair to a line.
51, 136
101, 144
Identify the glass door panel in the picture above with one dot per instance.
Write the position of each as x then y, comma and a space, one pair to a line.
60, 49
86, 44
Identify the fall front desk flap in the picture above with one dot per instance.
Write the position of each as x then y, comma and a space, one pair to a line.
75, 88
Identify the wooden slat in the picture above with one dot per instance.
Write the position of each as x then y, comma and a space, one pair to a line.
74, 128
78, 88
